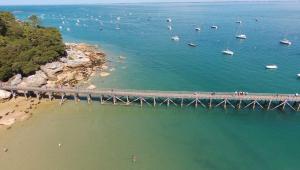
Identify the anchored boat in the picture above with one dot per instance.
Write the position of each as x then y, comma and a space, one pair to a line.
227, 52
198, 29
169, 20
175, 38
214, 27
192, 45
272, 66
241, 36
285, 42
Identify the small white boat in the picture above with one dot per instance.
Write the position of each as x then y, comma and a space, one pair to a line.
60, 27
273, 66
118, 18
198, 29
175, 38
169, 27
298, 75
285, 42
238, 22
192, 45
241, 36
214, 27
169, 20
227, 52
68, 29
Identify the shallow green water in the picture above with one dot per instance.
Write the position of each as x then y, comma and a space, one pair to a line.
105, 137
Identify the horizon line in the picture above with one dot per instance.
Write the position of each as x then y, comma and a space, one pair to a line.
149, 2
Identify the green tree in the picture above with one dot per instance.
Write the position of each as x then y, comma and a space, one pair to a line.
3, 28
34, 20
24, 46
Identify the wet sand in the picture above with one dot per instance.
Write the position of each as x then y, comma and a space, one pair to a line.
18, 109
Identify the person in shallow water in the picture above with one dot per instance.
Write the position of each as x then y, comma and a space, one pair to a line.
133, 158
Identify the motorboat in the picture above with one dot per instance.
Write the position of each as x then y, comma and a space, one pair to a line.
175, 38
192, 45
198, 29
272, 66
285, 42
214, 27
238, 22
227, 52
169, 27
169, 20
241, 36
298, 75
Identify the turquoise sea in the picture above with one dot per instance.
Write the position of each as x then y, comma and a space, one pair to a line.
105, 137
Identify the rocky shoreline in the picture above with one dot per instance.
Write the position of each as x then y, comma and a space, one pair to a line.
81, 62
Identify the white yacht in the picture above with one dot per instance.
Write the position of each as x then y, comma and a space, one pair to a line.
214, 27
285, 42
169, 27
169, 20
298, 75
198, 29
175, 38
227, 52
241, 36
272, 66
192, 45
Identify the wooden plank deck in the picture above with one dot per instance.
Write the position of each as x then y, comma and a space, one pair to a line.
186, 98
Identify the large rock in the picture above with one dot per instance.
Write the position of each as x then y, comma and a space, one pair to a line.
17, 79
76, 58
66, 77
5, 94
37, 80
91, 87
52, 68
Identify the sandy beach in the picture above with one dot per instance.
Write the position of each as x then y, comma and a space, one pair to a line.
18, 109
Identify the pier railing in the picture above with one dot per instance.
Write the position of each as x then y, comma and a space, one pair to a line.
178, 98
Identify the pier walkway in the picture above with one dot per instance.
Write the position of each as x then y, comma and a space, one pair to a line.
235, 100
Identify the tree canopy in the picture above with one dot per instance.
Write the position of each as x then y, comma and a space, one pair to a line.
24, 46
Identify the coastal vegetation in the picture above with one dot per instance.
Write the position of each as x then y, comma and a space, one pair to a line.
25, 46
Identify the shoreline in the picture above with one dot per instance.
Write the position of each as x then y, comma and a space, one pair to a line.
82, 61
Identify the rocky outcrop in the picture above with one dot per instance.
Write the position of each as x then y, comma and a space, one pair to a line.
76, 58
52, 68
79, 64
4, 94
17, 79
37, 80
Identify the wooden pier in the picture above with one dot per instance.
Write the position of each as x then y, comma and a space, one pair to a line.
266, 101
